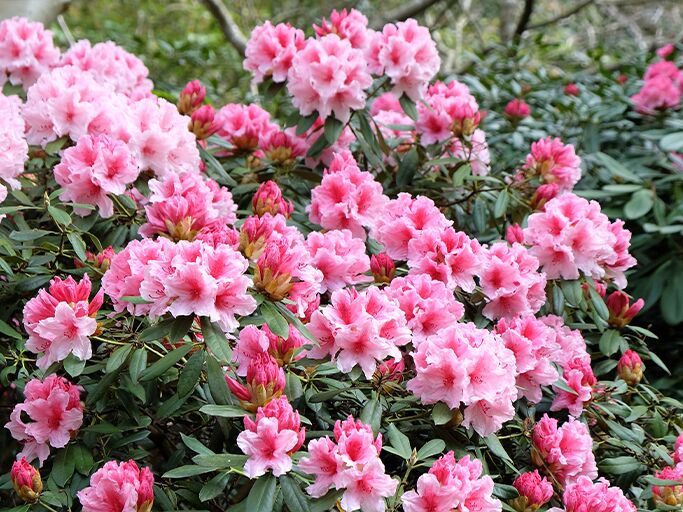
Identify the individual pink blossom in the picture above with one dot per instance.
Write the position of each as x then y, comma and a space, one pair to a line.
671, 495
347, 198
406, 53
119, 486
253, 341
265, 381
554, 162
26, 480
110, 64
537, 490
452, 484
517, 109
446, 255
427, 304
271, 438
660, 91
203, 123
351, 25
367, 487
328, 76
284, 147
13, 146
26, 51
244, 126
578, 376
462, 364
621, 311
216, 235
567, 451
271, 49
60, 320
383, 268
449, 110
181, 206
475, 151
664, 51
191, 97
571, 89
94, 168
514, 234
630, 367
340, 257
55, 412
510, 279
359, 328
583, 495
258, 231
408, 218
269, 199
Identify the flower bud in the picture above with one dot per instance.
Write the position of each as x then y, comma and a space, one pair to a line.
543, 194
99, 261
622, 79
571, 89
534, 492
514, 234
268, 199
390, 370
273, 274
621, 311
265, 381
598, 286
191, 97
517, 110
26, 480
203, 122
630, 368
383, 268
665, 51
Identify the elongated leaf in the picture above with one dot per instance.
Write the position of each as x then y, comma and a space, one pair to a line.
407, 168
78, 245
220, 460
138, 362
408, 107
294, 496
118, 357
216, 341
262, 495
157, 331
189, 376
217, 384
333, 129
224, 411
165, 363
372, 414
276, 322
620, 465
180, 327
214, 487
399, 441
430, 448
186, 471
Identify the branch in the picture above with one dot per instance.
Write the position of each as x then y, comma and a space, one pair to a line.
227, 25
525, 17
562, 16
409, 10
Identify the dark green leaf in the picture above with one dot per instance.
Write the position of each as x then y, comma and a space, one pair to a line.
186, 471
217, 384
117, 358
372, 414
215, 340
224, 411
157, 331
305, 123
430, 448
610, 341
399, 441
166, 362
276, 322
407, 168
60, 216
78, 245
408, 107
333, 129
294, 496
214, 487
262, 495
189, 376
620, 465
180, 327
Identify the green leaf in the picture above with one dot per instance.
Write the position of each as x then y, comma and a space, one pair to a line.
276, 322
305, 123
73, 366
610, 341
562, 384
372, 414
214, 487
262, 495
408, 107
217, 385
640, 203
216, 341
28, 235
407, 168
195, 445
620, 465
165, 363
83, 458
117, 358
60, 216
294, 496
180, 327
185, 471
617, 169
52, 148
63, 467
501, 205
672, 142
672, 297
598, 304
318, 146
78, 245
333, 129
441, 414
493, 444
220, 460
216, 169
430, 448
399, 441
327, 502
224, 411
189, 376
158, 330
7, 330
138, 362
134, 299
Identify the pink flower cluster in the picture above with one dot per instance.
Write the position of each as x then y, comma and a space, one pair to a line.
254, 341
270, 439
452, 485
60, 320
351, 25
53, 406
572, 236
511, 282
119, 486
359, 328
567, 451
583, 495
466, 365
271, 49
244, 126
13, 147
340, 257
449, 111
26, 51
554, 162
180, 206
111, 64
94, 168
350, 463
662, 88
533, 488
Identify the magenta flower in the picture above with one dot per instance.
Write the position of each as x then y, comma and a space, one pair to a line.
535, 489
517, 109
554, 162
621, 311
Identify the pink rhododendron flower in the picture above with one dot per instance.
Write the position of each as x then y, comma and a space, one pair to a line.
554, 162
571, 89
94, 168
577, 375
181, 206
340, 257
271, 438
406, 53
219, 235
666, 69
621, 311
244, 126
26, 480
347, 198
351, 25
191, 97
284, 147
514, 234
452, 485
367, 487
450, 111
26, 51
258, 231
54, 409
359, 328
537, 490
543, 194
630, 367
586, 496
268, 199
328, 76
475, 151
427, 304
265, 381
119, 486
658, 93
110, 64
664, 51
517, 109
572, 236
383, 268
13, 147
60, 320
462, 364
671, 495
203, 122
271, 49
253, 341
566, 451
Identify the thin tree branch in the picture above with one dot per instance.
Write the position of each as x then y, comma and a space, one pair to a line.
562, 16
227, 24
525, 17
409, 10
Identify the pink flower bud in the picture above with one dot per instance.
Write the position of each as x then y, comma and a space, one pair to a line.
26, 480
268, 199
665, 51
273, 274
283, 349
571, 89
265, 381
517, 109
391, 370
622, 79
191, 97
543, 194
630, 368
621, 312
383, 267
534, 491
203, 122
514, 234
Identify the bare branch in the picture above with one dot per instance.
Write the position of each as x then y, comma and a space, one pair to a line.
409, 10
525, 17
562, 16
227, 25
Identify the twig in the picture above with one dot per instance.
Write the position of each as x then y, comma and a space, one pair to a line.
525, 17
65, 28
227, 24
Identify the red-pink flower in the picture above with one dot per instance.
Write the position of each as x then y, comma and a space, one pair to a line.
621, 311
571, 89
26, 480
340, 257
583, 495
328, 76
271, 49
191, 97
203, 122
253, 341
630, 368
119, 486
537, 490
268, 199
351, 25
517, 109
554, 162
664, 51
383, 268
265, 381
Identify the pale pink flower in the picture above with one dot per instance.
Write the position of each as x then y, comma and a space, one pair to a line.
340, 257
657, 94
554, 162
110, 64
268, 199
577, 375
119, 487
536, 489
328, 76
351, 25
322, 462
13, 146
475, 152
367, 487
271, 49
244, 126
26, 51
449, 111
583, 495
258, 231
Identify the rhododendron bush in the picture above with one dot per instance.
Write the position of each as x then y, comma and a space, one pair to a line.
332, 298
